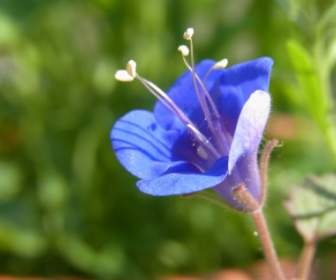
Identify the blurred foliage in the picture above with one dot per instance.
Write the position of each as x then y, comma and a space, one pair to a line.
66, 206
312, 206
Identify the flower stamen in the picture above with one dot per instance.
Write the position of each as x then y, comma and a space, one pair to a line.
123, 76
131, 68
129, 74
207, 104
184, 50
169, 103
187, 35
203, 87
221, 64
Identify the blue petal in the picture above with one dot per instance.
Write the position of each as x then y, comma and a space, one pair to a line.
249, 76
184, 179
236, 84
250, 126
141, 146
184, 96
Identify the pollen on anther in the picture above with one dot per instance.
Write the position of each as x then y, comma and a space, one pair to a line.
187, 35
184, 50
221, 64
123, 76
131, 68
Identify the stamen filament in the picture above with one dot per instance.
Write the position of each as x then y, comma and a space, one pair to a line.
205, 100
192, 69
201, 97
209, 99
164, 98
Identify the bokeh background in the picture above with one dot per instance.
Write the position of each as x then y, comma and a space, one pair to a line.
66, 205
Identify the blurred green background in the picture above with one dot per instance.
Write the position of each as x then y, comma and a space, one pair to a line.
66, 205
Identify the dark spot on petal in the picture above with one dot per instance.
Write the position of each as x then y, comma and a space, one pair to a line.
152, 127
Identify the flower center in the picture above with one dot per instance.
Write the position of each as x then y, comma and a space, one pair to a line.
220, 139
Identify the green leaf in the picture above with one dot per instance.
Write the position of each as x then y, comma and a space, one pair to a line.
10, 181
309, 84
52, 190
106, 262
327, 19
25, 242
313, 207
331, 54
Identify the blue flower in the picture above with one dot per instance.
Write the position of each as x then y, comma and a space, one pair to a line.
204, 133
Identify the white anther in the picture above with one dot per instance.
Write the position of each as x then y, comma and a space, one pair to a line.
123, 76
131, 68
184, 50
202, 153
221, 64
188, 33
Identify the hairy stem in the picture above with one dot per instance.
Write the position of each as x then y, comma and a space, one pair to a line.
254, 208
306, 260
263, 167
267, 244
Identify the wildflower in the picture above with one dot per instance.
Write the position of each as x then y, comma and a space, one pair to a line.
203, 133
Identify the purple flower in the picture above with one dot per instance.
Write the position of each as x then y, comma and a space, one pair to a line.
204, 133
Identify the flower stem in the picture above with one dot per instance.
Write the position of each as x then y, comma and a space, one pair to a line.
306, 260
251, 206
267, 244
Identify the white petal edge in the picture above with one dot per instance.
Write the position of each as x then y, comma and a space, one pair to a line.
250, 126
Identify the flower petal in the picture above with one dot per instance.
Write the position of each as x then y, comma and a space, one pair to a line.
141, 146
184, 179
184, 96
250, 126
235, 86
244, 172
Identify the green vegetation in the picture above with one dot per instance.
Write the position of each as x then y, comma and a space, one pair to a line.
66, 205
